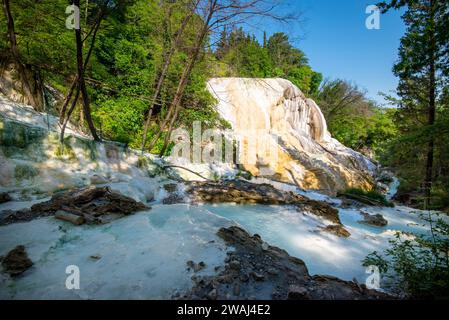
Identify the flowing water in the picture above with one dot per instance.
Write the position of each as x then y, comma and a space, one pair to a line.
144, 256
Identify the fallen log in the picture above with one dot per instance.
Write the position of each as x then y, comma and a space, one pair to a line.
362, 199
69, 217
186, 169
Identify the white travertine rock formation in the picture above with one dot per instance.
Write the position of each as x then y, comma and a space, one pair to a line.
306, 153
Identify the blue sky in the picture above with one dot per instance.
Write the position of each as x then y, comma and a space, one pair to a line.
333, 35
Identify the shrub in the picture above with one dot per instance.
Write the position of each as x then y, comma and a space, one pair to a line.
369, 197
416, 266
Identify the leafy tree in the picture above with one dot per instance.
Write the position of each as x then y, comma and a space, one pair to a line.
423, 71
416, 266
241, 55
355, 120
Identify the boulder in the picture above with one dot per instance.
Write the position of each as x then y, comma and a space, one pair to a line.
196, 267
173, 198
16, 261
95, 205
4, 197
170, 187
321, 209
385, 177
260, 269
97, 179
296, 292
337, 230
375, 220
243, 192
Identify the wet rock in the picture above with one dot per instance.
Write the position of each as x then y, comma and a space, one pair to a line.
258, 276
236, 289
16, 261
321, 209
225, 278
97, 179
196, 267
273, 271
212, 295
270, 274
243, 192
235, 265
296, 292
337, 230
11, 216
173, 198
244, 278
410, 199
375, 220
97, 205
170, 187
385, 177
4, 197
382, 188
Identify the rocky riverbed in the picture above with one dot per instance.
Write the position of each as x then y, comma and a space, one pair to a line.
250, 268
88, 205
93, 205
256, 270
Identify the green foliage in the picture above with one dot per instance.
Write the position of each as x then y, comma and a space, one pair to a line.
417, 266
355, 120
368, 195
241, 55
24, 172
423, 103
120, 119
127, 59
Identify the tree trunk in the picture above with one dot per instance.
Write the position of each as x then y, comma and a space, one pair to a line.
164, 71
26, 87
75, 85
174, 107
67, 100
169, 131
431, 109
94, 31
81, 84
69, 113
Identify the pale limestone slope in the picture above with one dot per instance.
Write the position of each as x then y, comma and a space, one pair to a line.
307, 154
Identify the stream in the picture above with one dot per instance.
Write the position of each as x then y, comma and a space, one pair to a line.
144, 256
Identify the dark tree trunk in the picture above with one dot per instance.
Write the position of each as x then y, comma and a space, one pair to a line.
26, 87
175, 105
81, 81
431, 109
164, 71
67, 100
69, 112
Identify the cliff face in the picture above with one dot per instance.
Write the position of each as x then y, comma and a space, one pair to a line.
305, 153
